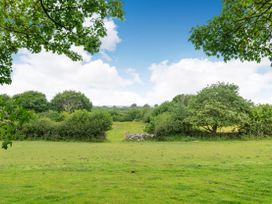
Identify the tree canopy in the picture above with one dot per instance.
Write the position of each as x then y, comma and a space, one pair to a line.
70, 101
243, 30
32, 100
218, 105
52, 25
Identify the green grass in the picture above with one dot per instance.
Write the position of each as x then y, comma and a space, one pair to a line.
119, 129
130, 172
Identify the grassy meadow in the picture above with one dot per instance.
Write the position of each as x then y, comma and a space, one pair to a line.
136, 172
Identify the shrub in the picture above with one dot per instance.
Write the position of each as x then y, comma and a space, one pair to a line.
169, 123
83, 125
80, 125
54, 115
260, 121
41, 128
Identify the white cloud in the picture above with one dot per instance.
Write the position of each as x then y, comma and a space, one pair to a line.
112, 39
103, 84
191, 75
50, 74
134, 75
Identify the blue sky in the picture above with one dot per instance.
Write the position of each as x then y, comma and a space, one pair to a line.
157, 30
146, 58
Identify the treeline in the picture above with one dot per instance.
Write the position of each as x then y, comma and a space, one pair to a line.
217, 109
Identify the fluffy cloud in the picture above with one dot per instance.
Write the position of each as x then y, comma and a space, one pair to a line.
191, 75
104, 85
134, 75
112, 39
50, 74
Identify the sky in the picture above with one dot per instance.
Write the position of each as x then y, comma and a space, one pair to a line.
146, 58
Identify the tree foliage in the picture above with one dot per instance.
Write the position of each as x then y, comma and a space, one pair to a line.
169, 118
260, 121
79, 125
32, 100
242, 30
52, 25
70, 101
218, 105
12, 117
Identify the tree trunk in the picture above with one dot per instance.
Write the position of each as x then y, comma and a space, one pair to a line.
214, 129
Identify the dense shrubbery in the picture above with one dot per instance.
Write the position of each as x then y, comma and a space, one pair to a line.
30, 116
259, 122
80, 125
170, 118
84, 125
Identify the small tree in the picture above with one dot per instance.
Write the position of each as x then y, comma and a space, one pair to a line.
70, 101
32, 100
12, 117
218, 105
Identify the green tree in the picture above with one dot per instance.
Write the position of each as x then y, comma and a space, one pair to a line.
52, 25
170, 118
242, 30
70, 101
12, 117
218, 105
32, 100
260, 121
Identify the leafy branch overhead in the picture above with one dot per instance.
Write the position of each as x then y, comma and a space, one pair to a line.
243, 30
52, 25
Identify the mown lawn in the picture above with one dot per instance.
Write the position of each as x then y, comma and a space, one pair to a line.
131, 172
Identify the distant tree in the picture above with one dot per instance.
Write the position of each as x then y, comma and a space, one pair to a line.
218, 105
134, 105
70, 101
32, 100
242, 30
52, 25
146, 106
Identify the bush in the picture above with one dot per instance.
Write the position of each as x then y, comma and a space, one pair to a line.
170, 118
80, 125
54, 115
260, 121
83, 125
41, 128
169, 123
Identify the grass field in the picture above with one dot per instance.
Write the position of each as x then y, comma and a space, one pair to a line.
131, 172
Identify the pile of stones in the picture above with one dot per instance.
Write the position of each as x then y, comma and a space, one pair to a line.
138, 137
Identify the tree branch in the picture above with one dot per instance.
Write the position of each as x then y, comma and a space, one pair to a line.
49, 17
